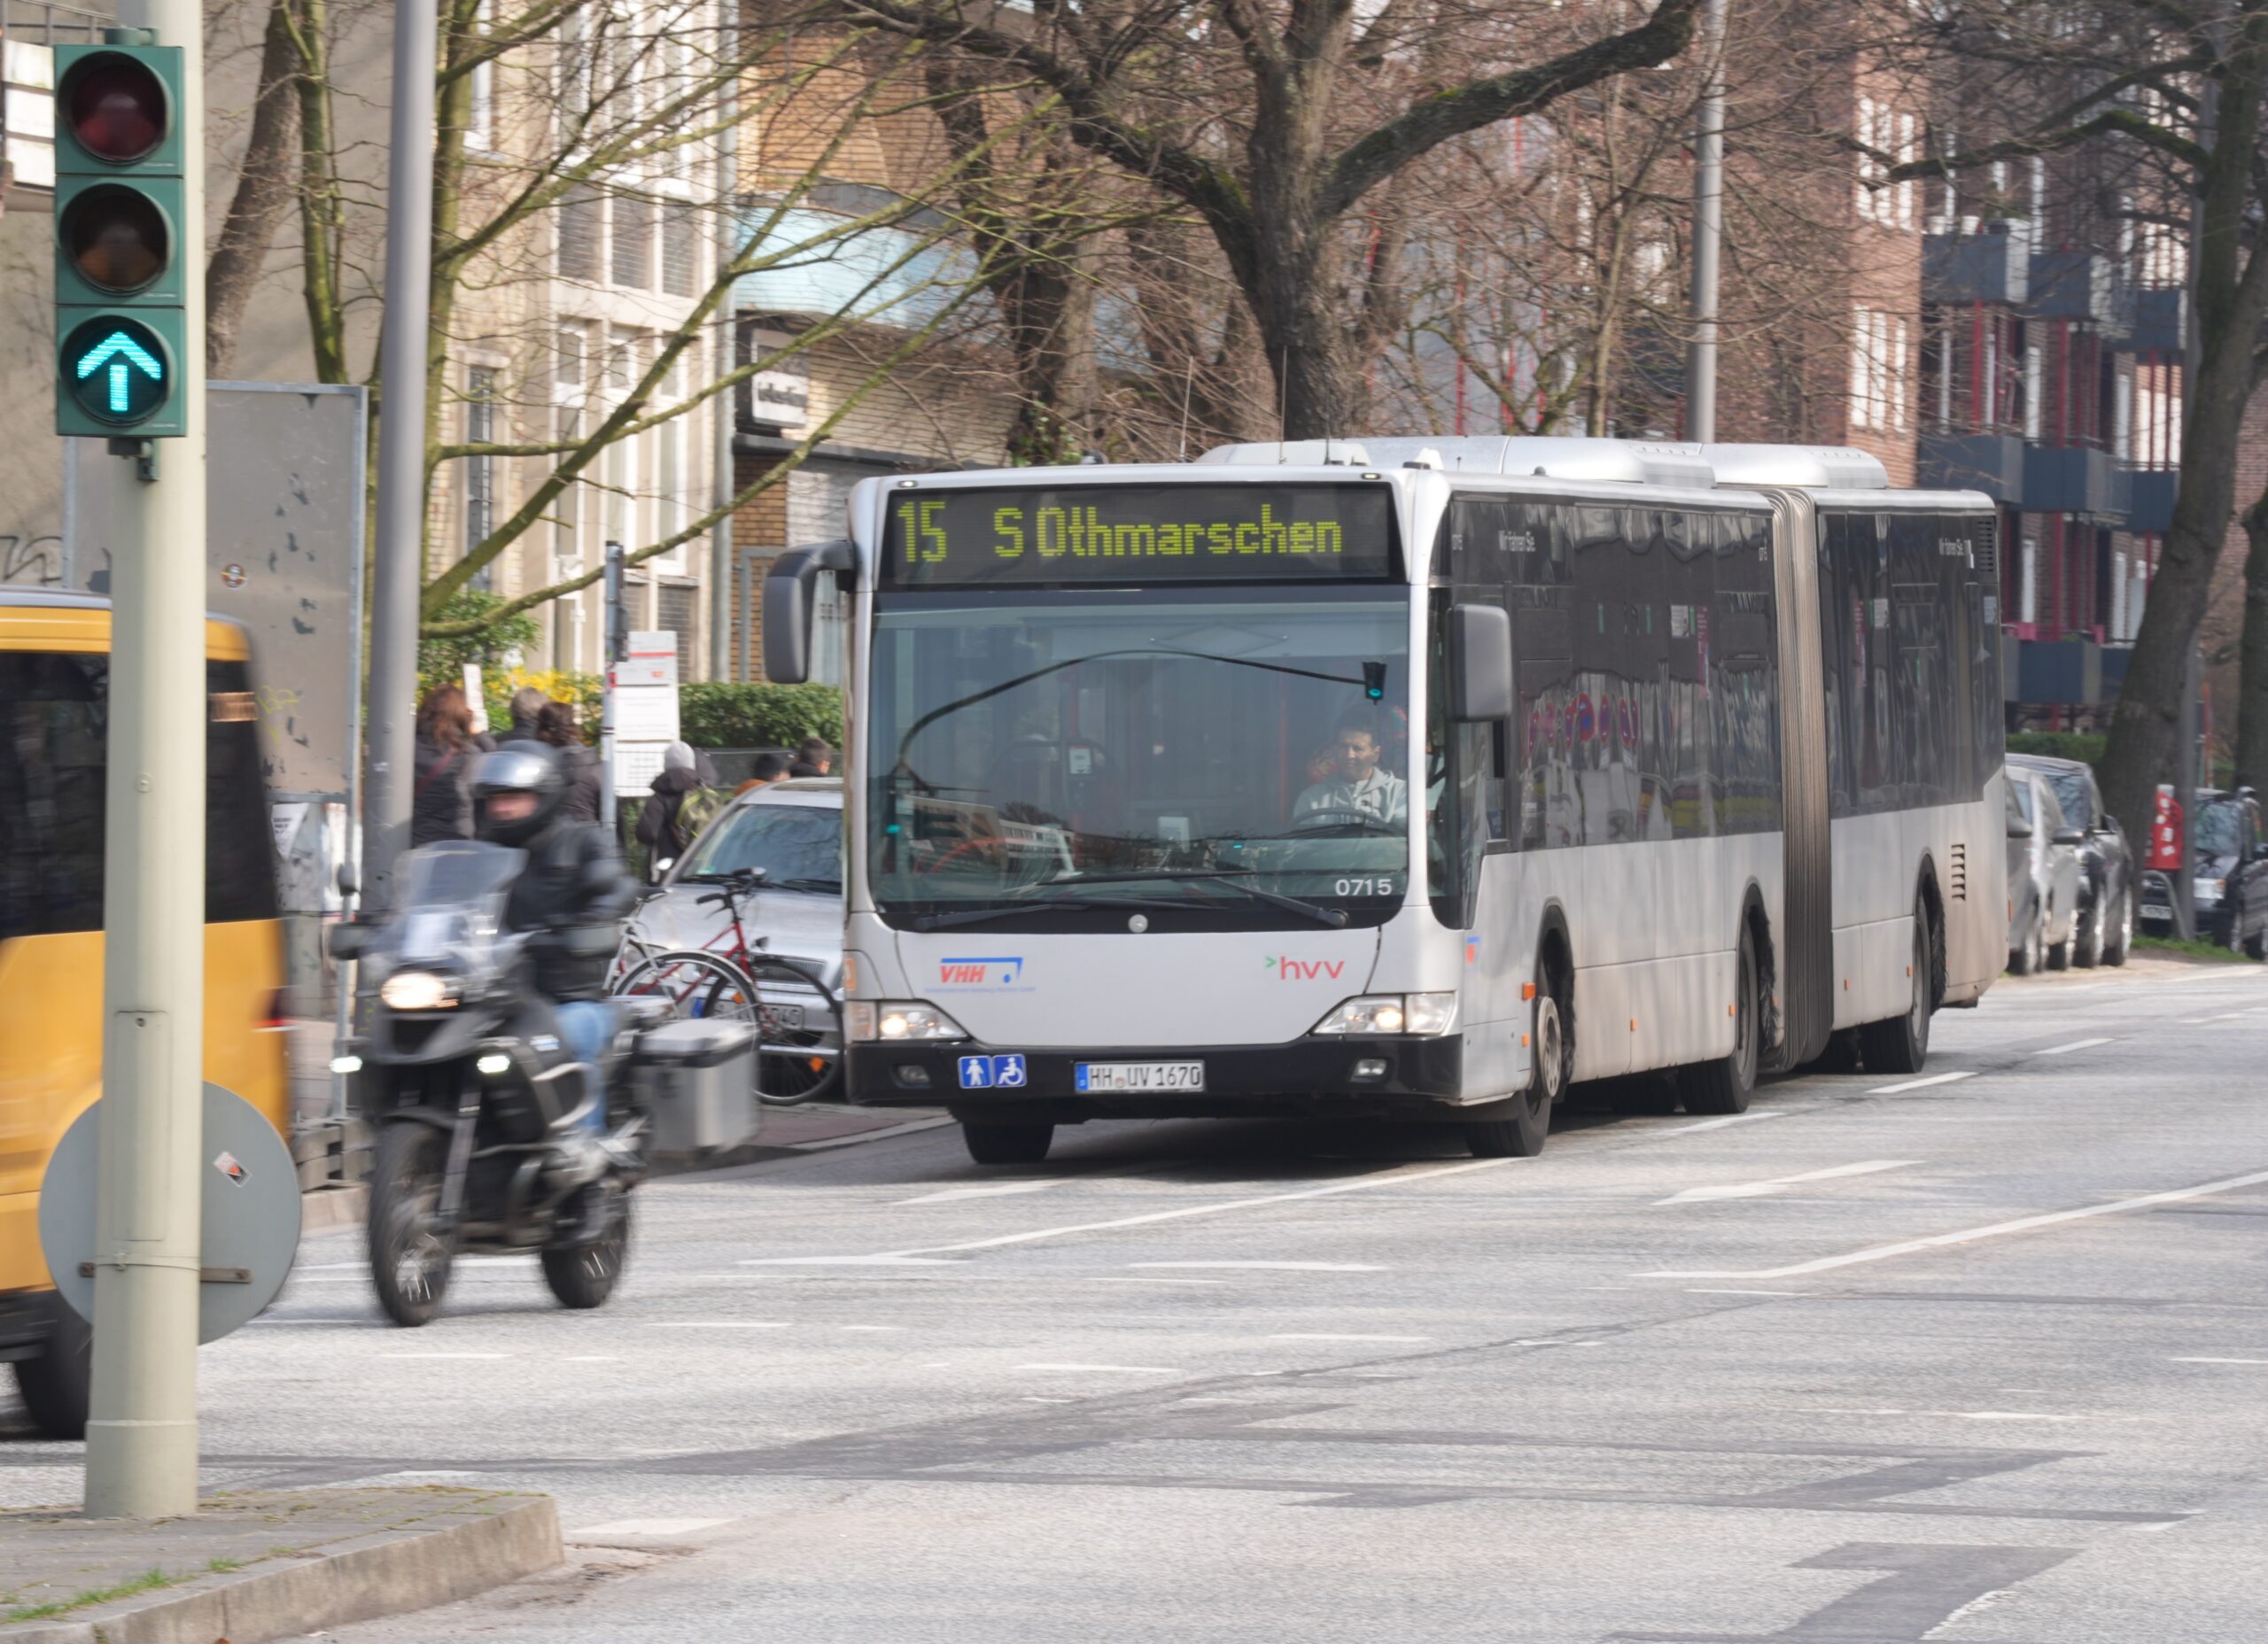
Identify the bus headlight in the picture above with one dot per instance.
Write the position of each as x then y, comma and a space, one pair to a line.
2210, 891
898, 1021
1426, 1013
419, 990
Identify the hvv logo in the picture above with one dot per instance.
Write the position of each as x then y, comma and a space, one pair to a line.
1306, 970
994, 972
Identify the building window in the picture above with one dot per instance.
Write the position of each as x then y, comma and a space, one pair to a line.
633, 242
582, 232
480, 110
2028, 582
1880, 377
573, 360
680, 248
675, 606
479, 471
28, 111
1904, 192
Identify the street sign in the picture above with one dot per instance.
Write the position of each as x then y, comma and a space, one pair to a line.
251, 1216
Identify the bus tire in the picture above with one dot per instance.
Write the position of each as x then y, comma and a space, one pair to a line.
1522, 1134
1901, 1045
58, 1384
1725, 1084
1008, 1141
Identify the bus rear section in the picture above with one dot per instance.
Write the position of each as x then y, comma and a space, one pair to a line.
54, 666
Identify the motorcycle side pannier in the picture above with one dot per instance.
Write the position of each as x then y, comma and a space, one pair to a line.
699, 1077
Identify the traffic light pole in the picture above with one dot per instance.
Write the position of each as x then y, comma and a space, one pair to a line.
142, 1439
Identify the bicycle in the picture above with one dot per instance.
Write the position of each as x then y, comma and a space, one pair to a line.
797, 1017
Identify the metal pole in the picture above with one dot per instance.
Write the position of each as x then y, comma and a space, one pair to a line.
618, 643
142, 1439
390, 754
1708, 230
722, 664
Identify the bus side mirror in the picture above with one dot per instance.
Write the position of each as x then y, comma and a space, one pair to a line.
347, 939
1480, 662
350, 880
2018, 828
787, 600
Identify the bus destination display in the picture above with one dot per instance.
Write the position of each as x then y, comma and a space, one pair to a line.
1120, 534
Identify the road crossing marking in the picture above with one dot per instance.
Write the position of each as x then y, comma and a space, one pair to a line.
1969, 1235
1719, 1124
1918, 1084
2076, 1045
2218, 1361
1757, 1190
999, 1189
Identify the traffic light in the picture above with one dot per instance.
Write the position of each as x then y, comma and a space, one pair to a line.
120, 300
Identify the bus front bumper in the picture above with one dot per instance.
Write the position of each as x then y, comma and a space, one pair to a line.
1320, 1076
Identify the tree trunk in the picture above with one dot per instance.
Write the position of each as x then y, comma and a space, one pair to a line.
264, 190
2252, 668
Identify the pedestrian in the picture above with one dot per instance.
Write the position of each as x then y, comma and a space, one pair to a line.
770, 768
440, 803
554, 726
813, 758
663, 827
527, 703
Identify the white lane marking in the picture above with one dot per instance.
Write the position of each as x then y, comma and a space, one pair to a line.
1777, 1184
649, 1527
1967, 1235
998, 1189
2076, 1045
445, 1355
844, 1262
2217, 1360
870, 1327
1267, 1267
1264, 1266
1918, 1084
590, 1358
1719, 1124
1117, 1278
1390, 1179
718, 1325
1115, 1370
1328, 1336
1748, 1293
865, 1136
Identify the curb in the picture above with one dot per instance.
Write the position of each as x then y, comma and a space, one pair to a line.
387, 1573
323, 1208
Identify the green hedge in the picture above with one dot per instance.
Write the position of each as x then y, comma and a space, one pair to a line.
2081, 745
716, 714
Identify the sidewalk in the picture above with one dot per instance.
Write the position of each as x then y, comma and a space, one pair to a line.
262, 1564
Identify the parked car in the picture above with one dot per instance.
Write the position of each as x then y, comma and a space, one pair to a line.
2106, 886
2050, 861
2229, 864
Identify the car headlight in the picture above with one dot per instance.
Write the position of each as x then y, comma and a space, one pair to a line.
1391, 1013
419, 990
897, 1021
2212, 889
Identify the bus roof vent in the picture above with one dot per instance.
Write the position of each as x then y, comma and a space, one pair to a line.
1808, 467
1293, 453
1622, 461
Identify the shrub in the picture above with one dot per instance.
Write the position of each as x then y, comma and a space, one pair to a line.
445, 659
2081, 745
723, 714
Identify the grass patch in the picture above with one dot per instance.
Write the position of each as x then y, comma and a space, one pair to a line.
2210, 952
222, 1566
149, 1581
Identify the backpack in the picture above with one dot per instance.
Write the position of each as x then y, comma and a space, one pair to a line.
694, 811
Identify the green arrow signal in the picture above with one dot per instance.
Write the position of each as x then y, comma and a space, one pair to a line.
119, 350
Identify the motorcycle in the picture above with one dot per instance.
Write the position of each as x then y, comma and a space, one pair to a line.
482, 1116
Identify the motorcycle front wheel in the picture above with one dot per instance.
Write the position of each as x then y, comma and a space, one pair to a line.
411, 1257
584, 1275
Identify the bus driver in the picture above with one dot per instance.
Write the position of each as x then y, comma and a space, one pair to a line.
1364, 789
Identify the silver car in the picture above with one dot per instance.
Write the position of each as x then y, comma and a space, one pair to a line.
2043, 875
759, 892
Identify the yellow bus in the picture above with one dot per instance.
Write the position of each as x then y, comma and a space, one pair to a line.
54, 674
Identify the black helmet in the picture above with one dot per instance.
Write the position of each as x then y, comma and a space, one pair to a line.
518, 768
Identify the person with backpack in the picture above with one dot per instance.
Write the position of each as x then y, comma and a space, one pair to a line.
684, 800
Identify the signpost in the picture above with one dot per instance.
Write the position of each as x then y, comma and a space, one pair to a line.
645, 710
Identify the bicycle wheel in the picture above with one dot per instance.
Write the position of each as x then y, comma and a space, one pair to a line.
699, 987
800, 1054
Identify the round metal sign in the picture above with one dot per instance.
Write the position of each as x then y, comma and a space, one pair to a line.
251, 1227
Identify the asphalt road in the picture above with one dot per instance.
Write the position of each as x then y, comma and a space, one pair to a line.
1980, 1356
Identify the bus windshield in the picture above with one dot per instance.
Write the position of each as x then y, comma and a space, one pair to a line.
1029, 746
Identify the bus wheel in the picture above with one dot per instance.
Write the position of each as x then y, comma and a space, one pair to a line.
1723, 1086
1521, 1134
1006, 1142
1901, 1044
56, 1383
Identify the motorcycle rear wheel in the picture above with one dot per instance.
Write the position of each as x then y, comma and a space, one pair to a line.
584, 1275
410, 1258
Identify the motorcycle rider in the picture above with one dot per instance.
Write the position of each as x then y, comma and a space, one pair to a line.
573, 881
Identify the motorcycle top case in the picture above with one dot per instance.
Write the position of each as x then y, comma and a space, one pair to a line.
700, 1079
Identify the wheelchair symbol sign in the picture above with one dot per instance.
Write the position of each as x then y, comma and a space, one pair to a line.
991, 1072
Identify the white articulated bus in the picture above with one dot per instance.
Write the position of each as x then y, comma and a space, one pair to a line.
1405, 778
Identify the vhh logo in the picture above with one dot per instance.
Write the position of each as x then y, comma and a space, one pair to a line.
1288, 969
995, 972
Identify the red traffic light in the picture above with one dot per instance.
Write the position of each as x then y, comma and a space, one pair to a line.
114, 107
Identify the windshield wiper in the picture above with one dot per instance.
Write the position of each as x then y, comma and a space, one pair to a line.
1043, 904
825, 886
1230, 877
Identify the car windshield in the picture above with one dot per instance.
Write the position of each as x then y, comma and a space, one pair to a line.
795, 847
1029, 745
2071, 793
2220, 831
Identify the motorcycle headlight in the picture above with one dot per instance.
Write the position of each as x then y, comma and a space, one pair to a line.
419, 990
897, 1021
1426, 1014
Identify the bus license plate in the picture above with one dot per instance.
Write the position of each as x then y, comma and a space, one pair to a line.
1141, 1078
